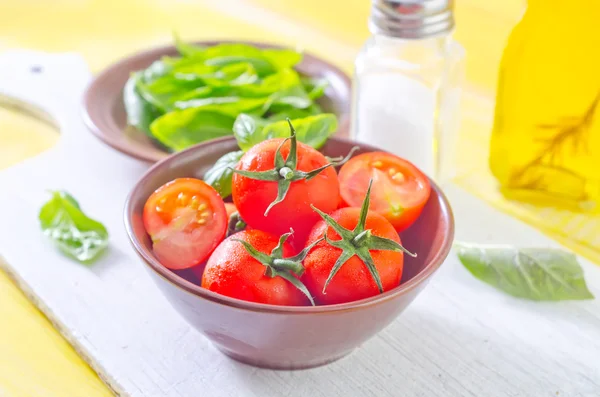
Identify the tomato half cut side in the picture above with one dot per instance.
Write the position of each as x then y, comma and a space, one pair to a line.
186, 219
399, 192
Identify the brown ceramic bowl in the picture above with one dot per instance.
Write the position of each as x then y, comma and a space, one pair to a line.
104, 111
283, 337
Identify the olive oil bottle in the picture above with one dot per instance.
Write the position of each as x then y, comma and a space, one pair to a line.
545, 145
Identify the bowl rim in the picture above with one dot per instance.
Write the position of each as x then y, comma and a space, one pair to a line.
202, 293
97, 127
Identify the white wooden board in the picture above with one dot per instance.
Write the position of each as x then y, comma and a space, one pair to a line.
459, 338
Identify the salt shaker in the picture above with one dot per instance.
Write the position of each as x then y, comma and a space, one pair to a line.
407, 84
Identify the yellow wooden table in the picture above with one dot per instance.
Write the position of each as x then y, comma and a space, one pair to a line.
34, 359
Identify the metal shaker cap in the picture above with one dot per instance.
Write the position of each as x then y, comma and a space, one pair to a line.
411, 19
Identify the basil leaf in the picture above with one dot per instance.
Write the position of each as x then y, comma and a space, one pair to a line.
226, 76
221, 175
282, 58
290, 92
262, 66
312, 130
75, 234
247, 130
196, 93
315, 87
160, 93
70, 199
181, 129
295, 113
231, 53
540, 274
140, 112
185, 49
230, 105
156, 70
233, 75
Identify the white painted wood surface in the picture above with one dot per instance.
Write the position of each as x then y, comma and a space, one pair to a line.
459, 338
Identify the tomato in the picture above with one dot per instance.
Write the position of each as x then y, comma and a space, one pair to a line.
230, 209
232, 271
252, 197
353, 280
400, 190
186, 220
342, 204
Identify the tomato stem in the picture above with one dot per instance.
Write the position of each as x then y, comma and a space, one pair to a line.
285, 172
361, 238
235, 224
359, 242
278, 266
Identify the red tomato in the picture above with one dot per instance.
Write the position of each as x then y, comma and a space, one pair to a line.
399, 190
252, 197
230, 209
233, 272
342, 204
186, 220
353, 280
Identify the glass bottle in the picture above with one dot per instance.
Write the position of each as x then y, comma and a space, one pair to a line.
407, 84
545, 146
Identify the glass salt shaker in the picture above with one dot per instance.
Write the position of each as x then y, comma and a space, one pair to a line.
407, 84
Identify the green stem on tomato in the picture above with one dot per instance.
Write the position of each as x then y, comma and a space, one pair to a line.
359, 242
285, 171
278, 266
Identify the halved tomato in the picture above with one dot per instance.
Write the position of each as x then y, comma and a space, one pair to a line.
186, 220
399, 192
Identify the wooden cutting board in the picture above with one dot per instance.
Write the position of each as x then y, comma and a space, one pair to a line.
459, 338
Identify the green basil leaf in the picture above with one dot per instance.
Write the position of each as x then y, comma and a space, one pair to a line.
188, 69
313, 130
290, 92
282, 58
247, 130
140, 112
74, 233
70, 199
233, 75
229, 105
156, 70
315, 87
181, 129
262, 66
196, 93
162, 92
221, 175
295, 113
228, 75
185, 49
540, 274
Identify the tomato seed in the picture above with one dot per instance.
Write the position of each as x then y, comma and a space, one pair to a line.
182, 198
392, 171
201, 221
377, 164
398, 177
202, 207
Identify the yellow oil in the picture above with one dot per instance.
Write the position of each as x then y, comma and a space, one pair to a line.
545, 146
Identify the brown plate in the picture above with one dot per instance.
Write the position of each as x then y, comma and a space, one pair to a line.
104, 111
286, 337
